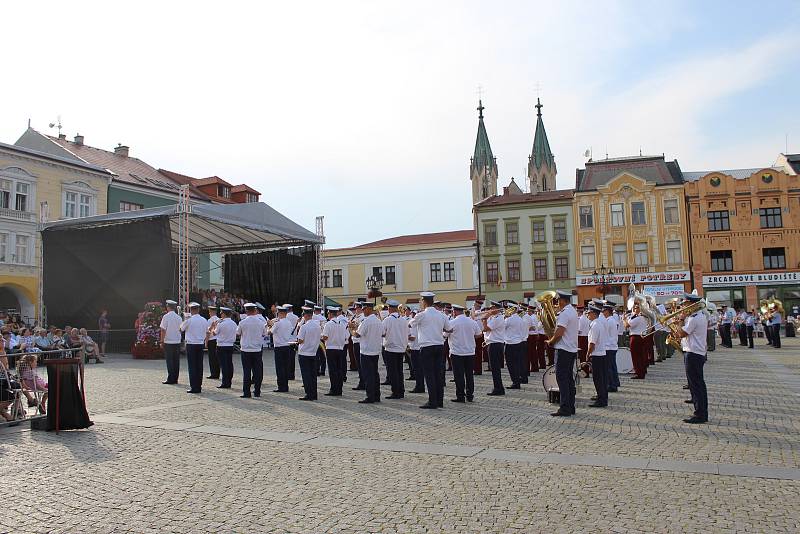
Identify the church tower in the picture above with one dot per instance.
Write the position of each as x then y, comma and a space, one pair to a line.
541, 163
483, 166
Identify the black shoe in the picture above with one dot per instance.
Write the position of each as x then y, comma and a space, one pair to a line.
410, 378
395, 397
560, 414
594, 398
496, 393
257, 395
612, 390
307, 398
366, 401
386, 383
514, 386
332, 394
470, 399
223, 387
280, 391
213, 377
695, 421
244, 396
458, 400
524, 381
597, 405
686, 386
427, 406
689, 401
192, 391
417, 390
168, 382
358, 388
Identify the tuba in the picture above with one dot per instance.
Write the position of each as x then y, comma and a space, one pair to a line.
674, 321
547, 314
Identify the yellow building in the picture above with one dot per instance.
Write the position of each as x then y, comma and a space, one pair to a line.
35, 187
443, 262
629, 217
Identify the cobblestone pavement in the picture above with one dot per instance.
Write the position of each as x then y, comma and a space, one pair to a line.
159, 460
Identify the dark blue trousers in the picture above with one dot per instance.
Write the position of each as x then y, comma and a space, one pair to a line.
357, 354
320, 361
172, 355
336, 369
433, 366
283, 362
565, 378
611, 370
776, 335
213, 359
252, 372
194, 361
368, 370
697, 384
496, 363
600, 378
394, 369
419, 374
308, 370
462, 373
225, 355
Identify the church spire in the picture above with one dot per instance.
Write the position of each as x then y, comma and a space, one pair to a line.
541, 163
483, 167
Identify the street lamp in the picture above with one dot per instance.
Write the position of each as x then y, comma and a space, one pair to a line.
374, 284
602, 278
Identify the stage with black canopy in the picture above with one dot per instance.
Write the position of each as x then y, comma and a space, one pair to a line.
120, 261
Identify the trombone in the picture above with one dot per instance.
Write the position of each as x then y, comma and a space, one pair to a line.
674, 321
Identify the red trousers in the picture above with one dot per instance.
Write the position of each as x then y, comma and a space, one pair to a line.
583, 346
650, 353
541, 349
639, 355
477, 363
533, 361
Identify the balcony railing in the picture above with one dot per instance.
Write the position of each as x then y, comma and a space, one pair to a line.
7, 213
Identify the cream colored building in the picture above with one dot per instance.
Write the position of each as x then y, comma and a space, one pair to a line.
35, 186
443, 262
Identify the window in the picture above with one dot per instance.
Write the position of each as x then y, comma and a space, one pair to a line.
587, 256
540, 269
774, 258
640, 254
337, 278
671, 211
251, 197
436, 272
3, 248
85, 206
22, 249
674, 254
377, 272
617, 215
21, 202
5, 194
390, 280
586, 219
538, 232
130, 206
326, 278
70, 205
770, 217
718, 221
512, 233
491, 272
490, 234
721, 260
224, 191
637, 213
620, 252
559, 230
562, 267
449, 271
512, 268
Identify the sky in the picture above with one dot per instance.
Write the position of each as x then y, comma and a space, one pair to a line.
364, 112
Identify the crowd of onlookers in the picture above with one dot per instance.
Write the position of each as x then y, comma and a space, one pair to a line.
210, 297
21, 348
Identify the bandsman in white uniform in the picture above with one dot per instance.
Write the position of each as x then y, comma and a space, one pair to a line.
281, 329
693, 342
196, 329
596, 349
171, 341
251, 331
225, 332
565, 342
334, 335
462, 349
213, 358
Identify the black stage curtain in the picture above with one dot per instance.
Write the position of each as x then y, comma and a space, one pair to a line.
282, 276
118, 268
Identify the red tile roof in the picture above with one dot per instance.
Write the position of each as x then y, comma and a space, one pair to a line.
182, 178
544, 196
422, 239
244, 187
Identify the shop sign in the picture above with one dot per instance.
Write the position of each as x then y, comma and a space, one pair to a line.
753, 279
634, 278
671, 290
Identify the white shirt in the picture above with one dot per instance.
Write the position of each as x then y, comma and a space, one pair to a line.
171, 323
335, 334
357, 322
611, 333
516, 330
196, 328
211, 322
497, 326
431, 324
462, 339
319, 318
583, 325
281, 332
251, 329
539, 327
695, 326
226, 332
395, 328
637, 325
776, 319
568, 318
294, 319
597, 335
370, 333
413, 333
728, 316
309, 335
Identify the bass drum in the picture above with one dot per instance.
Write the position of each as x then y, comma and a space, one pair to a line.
549, 379
624, 361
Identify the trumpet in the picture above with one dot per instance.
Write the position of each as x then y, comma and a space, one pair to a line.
486, 314
674, 321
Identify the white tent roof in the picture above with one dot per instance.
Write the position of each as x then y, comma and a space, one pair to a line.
213, 227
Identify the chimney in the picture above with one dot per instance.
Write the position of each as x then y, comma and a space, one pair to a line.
78, 139
62, 136
121, 150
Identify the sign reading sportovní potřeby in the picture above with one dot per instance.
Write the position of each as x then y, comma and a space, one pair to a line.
635, 278
750, 279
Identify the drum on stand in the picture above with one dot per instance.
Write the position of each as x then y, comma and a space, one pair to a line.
624, 361
550, 384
